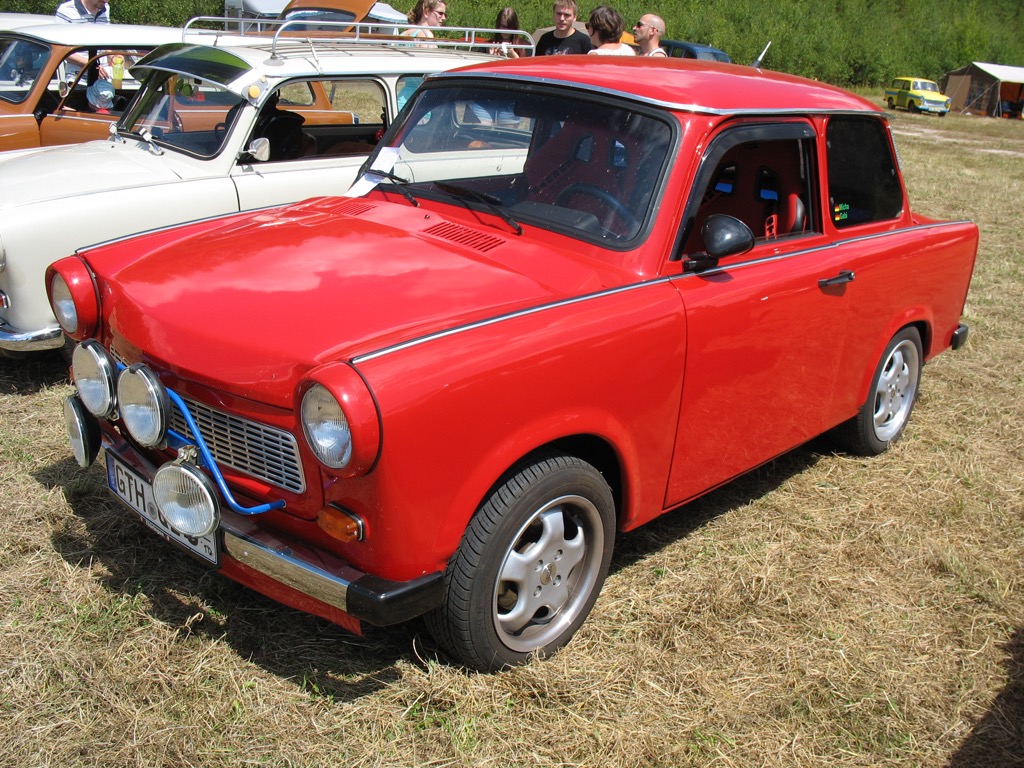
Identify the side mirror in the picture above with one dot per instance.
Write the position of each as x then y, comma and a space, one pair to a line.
63, 88
259, 149
722, 236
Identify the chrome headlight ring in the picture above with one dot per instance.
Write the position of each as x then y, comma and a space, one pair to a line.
143, 404
95, 375
186, 498
83, 431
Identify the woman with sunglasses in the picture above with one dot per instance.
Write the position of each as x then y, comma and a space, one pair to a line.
426, 14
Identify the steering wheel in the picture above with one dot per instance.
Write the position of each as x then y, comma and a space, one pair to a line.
606, 197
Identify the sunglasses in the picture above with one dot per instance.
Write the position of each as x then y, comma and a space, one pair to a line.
640, 24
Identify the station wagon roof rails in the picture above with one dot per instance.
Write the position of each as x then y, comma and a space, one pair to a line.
333, 34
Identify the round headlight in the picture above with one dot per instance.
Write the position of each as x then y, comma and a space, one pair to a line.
94, 372
142, 401
187, 499
83, 432
73, 297
326, 428
63, 304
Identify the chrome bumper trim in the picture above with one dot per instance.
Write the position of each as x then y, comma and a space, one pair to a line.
284, 564
30, 341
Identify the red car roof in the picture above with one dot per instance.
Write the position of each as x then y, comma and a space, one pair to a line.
693, 85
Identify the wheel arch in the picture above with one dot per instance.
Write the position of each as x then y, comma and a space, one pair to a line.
597, 450
920, 322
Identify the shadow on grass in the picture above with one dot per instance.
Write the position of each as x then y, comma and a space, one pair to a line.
32, 373
997, 740
682, 522
324, 659
195, 601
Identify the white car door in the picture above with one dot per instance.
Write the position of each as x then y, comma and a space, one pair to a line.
320, 133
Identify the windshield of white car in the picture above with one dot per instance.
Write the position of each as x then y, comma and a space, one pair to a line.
564, 161
182, 113
20, 63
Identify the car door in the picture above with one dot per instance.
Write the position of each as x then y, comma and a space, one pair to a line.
765, 329
320, 133
904, 94
79, 116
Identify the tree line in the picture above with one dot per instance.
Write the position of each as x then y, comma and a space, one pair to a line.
844, 42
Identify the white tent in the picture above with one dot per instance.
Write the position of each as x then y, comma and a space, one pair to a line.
986, 89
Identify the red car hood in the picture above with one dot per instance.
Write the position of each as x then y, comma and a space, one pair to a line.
250, 305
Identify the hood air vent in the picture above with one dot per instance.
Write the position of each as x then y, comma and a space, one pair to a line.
470, 238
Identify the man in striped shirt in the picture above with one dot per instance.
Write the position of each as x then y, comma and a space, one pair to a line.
83, 12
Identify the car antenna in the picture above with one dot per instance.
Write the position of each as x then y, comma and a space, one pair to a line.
756, 63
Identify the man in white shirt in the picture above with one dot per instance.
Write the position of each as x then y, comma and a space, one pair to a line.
83, 12
648, 33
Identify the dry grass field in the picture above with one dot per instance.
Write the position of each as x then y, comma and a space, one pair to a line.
821, 611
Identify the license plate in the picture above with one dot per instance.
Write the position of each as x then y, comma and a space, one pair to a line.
135, 491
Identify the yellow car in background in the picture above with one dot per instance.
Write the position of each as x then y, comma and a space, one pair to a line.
915, 94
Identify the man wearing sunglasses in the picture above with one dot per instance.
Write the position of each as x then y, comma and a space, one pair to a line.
648, 33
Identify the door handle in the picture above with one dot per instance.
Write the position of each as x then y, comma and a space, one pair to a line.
845, 276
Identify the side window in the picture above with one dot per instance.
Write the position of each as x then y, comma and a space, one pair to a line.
765, 182
312, 118
407, 86
20, 63
863, 185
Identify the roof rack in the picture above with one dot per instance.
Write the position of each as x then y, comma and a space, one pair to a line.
330, 34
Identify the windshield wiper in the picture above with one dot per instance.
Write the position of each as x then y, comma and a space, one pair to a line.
397, 181
494, 204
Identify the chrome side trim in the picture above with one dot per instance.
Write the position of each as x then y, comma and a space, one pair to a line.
500, 318
634, 286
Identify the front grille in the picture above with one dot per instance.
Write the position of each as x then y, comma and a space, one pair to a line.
266, 453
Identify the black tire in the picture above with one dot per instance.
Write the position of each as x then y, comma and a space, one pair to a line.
911, 107
530, 566
894, 386
891, 104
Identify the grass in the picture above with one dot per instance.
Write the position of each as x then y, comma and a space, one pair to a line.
823, 610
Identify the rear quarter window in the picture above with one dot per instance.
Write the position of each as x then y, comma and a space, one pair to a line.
863, 185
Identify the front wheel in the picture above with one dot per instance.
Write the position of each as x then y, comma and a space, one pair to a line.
530, 565
881, 420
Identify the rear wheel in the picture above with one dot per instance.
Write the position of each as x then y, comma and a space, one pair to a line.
881, 420
891, 103
530, 565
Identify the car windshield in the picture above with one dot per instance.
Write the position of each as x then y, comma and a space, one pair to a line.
927, 85
588, 167
20, 63
186, 114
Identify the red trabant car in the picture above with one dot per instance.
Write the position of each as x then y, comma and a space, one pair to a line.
564, 297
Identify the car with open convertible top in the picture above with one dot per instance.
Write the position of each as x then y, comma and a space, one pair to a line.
217, 127
563, 298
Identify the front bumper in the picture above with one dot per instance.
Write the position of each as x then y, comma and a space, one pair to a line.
295, 573
17, 340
